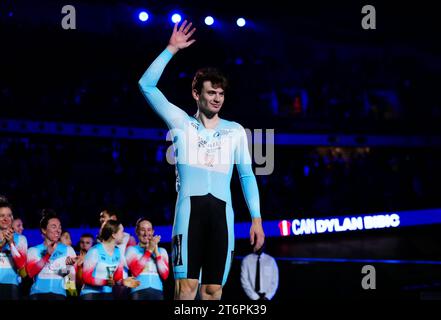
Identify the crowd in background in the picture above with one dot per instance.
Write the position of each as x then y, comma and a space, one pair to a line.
78, 176
306, 79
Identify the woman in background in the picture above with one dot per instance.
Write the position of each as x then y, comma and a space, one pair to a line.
49, 262
103, 265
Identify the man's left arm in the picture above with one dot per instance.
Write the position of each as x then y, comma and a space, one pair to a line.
274, 283
249, 188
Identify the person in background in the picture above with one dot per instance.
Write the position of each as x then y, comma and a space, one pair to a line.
259, 275
51, 261
13, 251
103, 265
66, 238
128, 240
148, 263
86, 242
17, 225
120, 292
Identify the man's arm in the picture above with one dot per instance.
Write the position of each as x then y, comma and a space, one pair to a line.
171, 114
249, 188
274, 283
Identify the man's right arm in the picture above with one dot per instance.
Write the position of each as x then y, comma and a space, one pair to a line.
247, 285
168, 112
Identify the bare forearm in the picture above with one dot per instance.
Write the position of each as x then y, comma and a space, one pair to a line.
172, 49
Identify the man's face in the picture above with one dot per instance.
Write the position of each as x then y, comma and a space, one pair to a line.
86, 243
119, 236
145, 232
211, 99
104, 216
5, 218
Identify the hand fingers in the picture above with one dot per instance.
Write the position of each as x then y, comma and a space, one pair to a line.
252, 238
181, 28
260, 241
175, 28
191, 33
187, 28
190, 43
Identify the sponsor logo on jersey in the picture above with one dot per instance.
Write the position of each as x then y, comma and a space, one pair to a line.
177, 250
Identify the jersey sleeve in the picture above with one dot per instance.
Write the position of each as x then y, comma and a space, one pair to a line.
19, 252
247, 179
274, 283
162, 263
131, 242
118, 275
245, 281
171, 114
35, 262
135, 261
89, 265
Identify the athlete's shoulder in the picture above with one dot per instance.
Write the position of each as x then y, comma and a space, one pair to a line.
38, 247
20, 238
61, 246
233, 125
95, 248
71, 250
248, 257
136, 249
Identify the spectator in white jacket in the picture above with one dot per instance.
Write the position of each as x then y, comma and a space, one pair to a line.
259, 276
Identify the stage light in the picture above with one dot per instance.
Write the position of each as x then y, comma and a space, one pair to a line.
209, 20
143, 16
176, 17
241, 22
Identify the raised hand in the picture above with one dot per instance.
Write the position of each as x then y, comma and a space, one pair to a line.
180, 38
9, 235
155, 241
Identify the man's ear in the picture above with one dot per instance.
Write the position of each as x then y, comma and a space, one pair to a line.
195, 94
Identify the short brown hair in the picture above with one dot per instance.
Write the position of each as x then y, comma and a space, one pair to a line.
209, 74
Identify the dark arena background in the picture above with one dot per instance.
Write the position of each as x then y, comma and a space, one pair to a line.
355, 112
